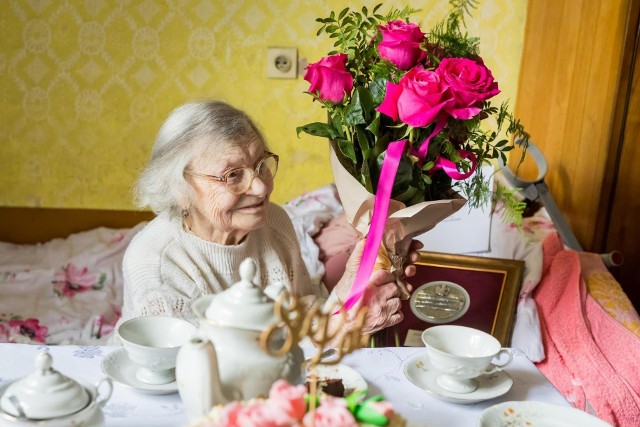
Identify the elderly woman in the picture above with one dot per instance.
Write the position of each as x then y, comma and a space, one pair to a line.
209, 181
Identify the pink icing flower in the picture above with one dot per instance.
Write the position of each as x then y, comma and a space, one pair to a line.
401, 44
288, 398
229, 414
471, 83
417, 99
331, 413
330, 78
261, 414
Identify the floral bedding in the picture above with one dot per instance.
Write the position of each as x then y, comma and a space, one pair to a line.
63, 291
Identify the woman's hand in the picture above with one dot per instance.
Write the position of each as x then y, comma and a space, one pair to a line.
382, 299
414, 256
382, 294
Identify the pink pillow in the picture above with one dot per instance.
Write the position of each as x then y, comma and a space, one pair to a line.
335, 241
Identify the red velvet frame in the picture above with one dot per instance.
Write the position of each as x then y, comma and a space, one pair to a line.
493, 285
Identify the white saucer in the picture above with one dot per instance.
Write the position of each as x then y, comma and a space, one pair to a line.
117, 366
351, 379
538, 414
418, 371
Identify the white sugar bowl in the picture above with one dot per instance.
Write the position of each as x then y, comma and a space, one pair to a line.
48, 398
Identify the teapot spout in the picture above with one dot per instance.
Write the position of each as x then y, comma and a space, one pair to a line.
198, 378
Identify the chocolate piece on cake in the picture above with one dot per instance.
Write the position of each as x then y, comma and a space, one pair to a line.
330, 386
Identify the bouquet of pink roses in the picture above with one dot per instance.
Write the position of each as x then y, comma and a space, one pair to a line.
405, 110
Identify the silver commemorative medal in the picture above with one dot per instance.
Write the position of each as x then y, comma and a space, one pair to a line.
439, 302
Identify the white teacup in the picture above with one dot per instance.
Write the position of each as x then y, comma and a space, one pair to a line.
461, 354
152, 342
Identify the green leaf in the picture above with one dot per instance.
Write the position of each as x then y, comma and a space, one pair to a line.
381, 144
359, 110
374, 126
336, 124
363, 142
318, 129
427, 166
406, 195
365, 176
346, 148
404, 176
378, 89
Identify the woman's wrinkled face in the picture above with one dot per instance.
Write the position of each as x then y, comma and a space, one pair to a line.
218, 215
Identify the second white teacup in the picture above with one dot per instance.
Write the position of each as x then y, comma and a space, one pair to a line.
461, 354
152, 342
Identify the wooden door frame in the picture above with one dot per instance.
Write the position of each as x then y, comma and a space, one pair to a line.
607, 193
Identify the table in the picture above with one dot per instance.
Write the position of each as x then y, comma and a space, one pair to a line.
382, 368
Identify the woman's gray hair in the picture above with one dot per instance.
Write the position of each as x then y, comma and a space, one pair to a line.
190, 130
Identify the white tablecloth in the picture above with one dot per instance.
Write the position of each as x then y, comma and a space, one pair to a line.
382, 368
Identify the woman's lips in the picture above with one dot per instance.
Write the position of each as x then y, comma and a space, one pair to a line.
254, 206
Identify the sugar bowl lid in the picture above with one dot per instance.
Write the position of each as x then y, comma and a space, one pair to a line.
244, 305
44, 394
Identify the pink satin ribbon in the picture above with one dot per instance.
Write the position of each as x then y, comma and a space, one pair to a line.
378, 221
424, 147
451, 169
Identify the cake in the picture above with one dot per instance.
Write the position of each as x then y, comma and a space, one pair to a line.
291, 406
331, 386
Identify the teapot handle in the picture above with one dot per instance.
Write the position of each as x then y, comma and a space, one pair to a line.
103, 400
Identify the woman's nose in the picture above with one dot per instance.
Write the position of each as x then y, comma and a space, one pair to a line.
258, 187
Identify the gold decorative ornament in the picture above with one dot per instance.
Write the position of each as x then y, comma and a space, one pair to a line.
297, 321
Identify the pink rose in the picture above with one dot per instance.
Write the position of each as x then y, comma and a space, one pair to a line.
331, 413
401, 44
330, 78
288, 398
471, 83
417, 99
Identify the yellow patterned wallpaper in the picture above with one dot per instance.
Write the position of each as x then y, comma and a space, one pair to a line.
85, 84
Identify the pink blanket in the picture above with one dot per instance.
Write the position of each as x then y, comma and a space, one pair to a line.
591, 358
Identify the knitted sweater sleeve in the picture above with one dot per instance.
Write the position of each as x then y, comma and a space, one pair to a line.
153, 287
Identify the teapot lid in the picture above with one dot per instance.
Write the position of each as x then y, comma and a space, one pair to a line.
44, 394
244, 305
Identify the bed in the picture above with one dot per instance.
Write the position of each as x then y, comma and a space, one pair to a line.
61, 283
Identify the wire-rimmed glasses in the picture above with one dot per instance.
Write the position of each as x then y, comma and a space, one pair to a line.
237, 181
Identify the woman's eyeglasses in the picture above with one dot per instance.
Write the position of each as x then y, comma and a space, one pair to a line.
237, 181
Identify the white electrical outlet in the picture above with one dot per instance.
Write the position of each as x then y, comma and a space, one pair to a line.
282, 62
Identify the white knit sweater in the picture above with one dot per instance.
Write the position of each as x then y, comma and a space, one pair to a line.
166, 268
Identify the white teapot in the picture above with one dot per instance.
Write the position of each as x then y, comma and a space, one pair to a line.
47, 398
224, 361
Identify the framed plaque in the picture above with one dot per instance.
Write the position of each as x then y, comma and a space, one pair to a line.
472, 291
